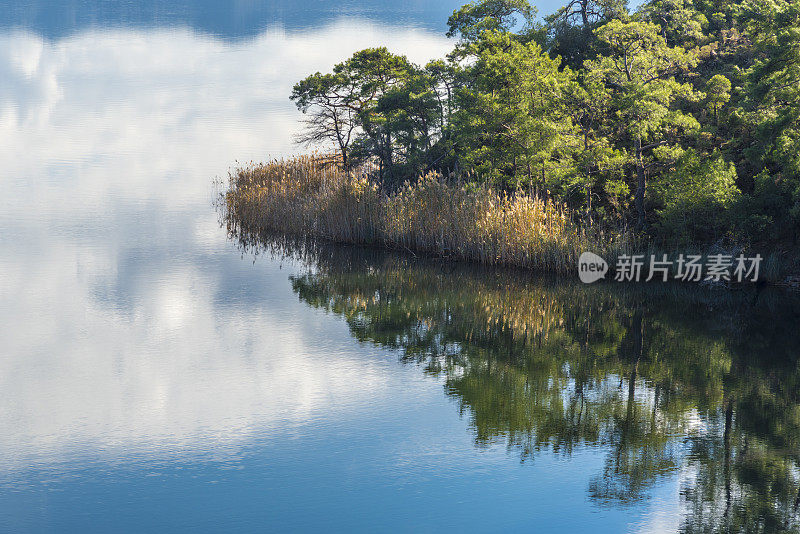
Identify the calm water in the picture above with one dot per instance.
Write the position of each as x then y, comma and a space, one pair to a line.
159, 375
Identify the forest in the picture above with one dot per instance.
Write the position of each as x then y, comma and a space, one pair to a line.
678, 121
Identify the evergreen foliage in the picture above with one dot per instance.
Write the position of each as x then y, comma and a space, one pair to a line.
680, 119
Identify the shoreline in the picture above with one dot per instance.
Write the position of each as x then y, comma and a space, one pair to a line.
439, 218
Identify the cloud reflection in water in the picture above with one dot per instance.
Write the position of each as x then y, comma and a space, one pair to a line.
130, 325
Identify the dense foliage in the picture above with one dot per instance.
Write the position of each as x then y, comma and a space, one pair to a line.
680, 119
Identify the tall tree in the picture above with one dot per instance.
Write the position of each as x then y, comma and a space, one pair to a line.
568, 32
411, 118
718, 92
496, 15
598, 164
376, 72
512, 116
681, 24
640, 69
331, 104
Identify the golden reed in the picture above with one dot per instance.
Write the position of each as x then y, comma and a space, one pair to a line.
311, 196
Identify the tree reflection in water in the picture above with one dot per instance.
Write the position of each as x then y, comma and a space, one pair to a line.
663, 379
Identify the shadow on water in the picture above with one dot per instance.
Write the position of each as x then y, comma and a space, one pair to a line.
663, 380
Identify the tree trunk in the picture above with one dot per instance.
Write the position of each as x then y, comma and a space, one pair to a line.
640, 184
589, 203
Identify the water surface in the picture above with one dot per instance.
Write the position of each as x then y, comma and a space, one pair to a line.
157, 375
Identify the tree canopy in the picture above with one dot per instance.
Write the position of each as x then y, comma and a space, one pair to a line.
623, 115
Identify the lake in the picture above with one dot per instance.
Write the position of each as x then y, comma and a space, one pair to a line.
161, 373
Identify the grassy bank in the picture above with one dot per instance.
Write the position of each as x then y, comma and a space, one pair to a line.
307, 197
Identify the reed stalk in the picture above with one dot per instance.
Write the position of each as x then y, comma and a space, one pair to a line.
310, 196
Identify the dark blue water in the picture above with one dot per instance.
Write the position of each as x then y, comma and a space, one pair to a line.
155, 377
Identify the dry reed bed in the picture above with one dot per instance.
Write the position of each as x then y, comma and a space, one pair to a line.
306, 196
